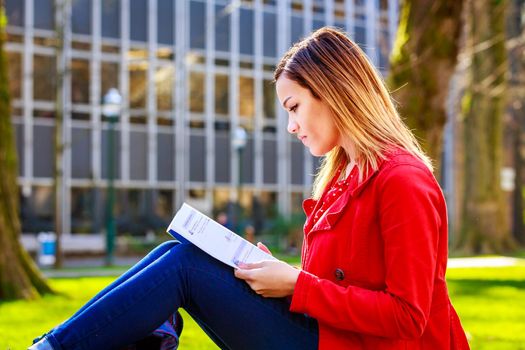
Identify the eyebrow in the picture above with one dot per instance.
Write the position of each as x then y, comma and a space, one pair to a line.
286, 100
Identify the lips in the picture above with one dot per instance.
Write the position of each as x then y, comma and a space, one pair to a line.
302, 138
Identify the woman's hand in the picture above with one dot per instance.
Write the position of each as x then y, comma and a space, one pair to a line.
264, 248
269, 278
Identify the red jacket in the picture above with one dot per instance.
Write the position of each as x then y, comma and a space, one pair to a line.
374, 264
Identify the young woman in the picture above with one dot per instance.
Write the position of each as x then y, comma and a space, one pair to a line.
374, 253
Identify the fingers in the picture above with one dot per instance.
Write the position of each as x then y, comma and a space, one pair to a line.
250, 266
264, 248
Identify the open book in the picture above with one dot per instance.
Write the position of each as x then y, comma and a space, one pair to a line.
191, 225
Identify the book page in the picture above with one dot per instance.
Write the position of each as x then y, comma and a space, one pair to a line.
213, 238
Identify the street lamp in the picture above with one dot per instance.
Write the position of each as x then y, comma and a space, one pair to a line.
239, 143
111, 106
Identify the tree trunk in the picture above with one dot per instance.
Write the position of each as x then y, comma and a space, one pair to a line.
485, 226
19, 276
422, 63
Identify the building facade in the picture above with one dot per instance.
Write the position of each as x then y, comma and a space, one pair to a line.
190, 73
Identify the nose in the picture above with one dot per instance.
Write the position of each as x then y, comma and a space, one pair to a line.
292, 126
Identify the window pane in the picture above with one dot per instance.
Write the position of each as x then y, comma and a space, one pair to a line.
222, 158
137, 85
246, 96
197, 25
222, 28
83, 210
297, 29
44, 17
43, 145
247, 160
81, 153
138, 14
79, 81
246, 32
269, 99
19, 137
198, 158
164, 87
138, 153
222, 94
196, 96
15, 74
109, 77
44, 75
316, 24
165, 22
269, 161
165, 157
110, 18
360, 36
81, 17
15, 12
297, 163
269, 35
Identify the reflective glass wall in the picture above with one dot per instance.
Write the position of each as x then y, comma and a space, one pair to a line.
190, 73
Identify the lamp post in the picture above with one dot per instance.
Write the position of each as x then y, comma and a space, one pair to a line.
239, 143
111, 105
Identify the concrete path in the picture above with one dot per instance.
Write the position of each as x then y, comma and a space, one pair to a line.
93, 266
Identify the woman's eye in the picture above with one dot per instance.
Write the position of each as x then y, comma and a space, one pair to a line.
293, 109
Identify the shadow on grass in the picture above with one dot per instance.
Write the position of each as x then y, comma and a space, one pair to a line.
467, 286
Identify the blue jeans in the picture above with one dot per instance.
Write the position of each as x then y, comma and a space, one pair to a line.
180, 275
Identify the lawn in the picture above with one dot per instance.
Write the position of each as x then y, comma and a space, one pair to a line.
490, 302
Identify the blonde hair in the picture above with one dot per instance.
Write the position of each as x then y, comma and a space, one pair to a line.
337, 72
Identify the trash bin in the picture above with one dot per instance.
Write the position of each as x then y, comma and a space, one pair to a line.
47, 248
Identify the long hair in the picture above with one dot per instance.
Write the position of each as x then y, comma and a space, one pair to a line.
337, 72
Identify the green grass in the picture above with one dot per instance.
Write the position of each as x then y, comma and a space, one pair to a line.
491, 305
490, 302
22, 321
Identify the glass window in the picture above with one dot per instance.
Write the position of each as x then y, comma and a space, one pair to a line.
138, 19
222, 28
19, 138
15, 12
81, 17
81, 153
297, 29
37, 210
109, 77
198, 158
197, 25
269, 35
83, 210
44, 15
222, 156
44, 146
246, 96
297, 163
384, 50
269, 161
269, 99
247, 162
164, 87
317, 23
222, 95
79, 81
196, 96
165, 157
110, 18
138, 154
15, 74
138, 85
44, 76
360, 36
165, 22
246, 40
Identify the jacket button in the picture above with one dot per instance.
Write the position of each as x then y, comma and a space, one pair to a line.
339, 274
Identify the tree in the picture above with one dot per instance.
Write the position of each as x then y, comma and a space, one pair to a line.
421, 65
19, 276
484, 225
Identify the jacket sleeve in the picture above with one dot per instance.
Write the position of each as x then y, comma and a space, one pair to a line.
409, 206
